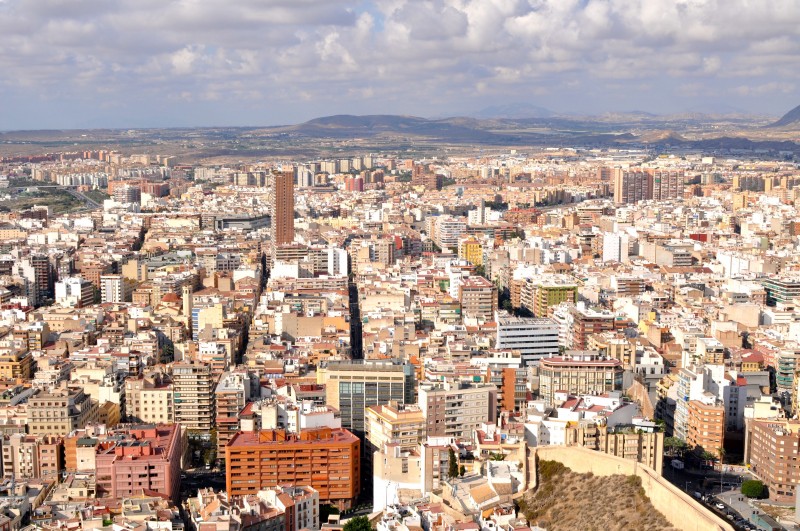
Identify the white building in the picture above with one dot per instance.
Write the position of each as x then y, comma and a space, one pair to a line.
534, 337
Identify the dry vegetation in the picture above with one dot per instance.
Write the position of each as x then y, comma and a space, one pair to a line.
567, 501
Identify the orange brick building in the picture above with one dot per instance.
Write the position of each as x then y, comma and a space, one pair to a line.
326, 459
706, 426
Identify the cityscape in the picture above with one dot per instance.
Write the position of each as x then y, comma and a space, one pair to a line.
399, 265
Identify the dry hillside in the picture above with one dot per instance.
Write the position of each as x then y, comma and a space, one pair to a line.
567, 501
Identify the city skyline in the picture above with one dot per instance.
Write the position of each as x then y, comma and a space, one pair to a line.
91, 64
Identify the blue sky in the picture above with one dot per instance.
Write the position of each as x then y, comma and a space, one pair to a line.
139, 63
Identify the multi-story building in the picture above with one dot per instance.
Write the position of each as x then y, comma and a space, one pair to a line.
478, 298
193, 385
232, 393
448, 230
471, 250
325, 459
585, 322
403, 425
705, 429
771, 450
631, 186
74, 292
353, 386
455, 409
32, 456
60, 411
781, 289
115, 288
139, 459
535, 338
17, 364
578, 372
539, 295
282, 208
149, 398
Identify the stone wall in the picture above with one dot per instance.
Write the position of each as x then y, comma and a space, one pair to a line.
680, 509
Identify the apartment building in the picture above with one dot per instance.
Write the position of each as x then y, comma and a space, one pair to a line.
233, 392
32, 456
150, 398
455, 409
282, 208
193, 385
578, 372
139, 459
325, 459
478, 298
705, 428
60, 411
403, 425
772, 452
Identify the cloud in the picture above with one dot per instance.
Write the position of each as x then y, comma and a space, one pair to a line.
289, 58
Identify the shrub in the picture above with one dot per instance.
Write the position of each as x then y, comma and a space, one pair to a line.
753, 488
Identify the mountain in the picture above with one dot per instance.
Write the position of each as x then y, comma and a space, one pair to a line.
513, 110
790, 119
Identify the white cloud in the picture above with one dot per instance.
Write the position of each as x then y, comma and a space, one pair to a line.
410, 53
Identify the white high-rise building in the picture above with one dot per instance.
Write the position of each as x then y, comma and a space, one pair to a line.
534, 337
337, 262
114, 288
615, 247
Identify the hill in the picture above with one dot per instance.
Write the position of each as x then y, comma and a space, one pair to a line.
790, 119
565, 500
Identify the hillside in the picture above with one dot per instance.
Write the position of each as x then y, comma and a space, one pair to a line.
790, 119
565, 500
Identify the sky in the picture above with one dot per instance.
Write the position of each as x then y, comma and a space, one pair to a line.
176, 63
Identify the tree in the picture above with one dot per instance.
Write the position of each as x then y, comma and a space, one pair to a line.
674, 444
452, 470
359, 523
462, 470
753, 488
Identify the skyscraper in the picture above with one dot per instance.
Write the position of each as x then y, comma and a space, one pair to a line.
282, 208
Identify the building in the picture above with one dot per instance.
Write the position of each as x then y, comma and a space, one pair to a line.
447, 231
631, 186
138, 459
771, 450
60, 411
325, 459
17, 364
149, 399
74, 292
535, 338
455, 409
578, 372
402, 425
32, 456
282, 208
232, 393
478, 298
471, 250
353, 386
783, 289
539, 295
115, 288
705, 428
193, 385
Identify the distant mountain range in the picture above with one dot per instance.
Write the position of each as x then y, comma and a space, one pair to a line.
790, 119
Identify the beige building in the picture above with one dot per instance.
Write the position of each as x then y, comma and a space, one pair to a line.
150, 399
455, 409
193, 384
60, 411
396, 424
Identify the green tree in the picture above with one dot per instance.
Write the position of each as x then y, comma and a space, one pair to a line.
753, 488
462, 470
452, 469
674, 445
359, 523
